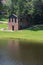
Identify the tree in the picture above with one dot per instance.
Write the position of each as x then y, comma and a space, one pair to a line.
38, 11
1, 7
23, 8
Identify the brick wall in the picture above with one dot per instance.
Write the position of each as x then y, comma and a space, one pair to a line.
15, 24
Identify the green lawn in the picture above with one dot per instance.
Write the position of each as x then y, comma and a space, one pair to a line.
3, 25
36, 36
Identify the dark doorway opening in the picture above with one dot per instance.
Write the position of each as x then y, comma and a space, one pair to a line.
13, 28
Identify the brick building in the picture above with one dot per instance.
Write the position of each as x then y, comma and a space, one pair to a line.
14, 24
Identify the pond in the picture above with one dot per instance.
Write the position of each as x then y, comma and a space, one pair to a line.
15, 52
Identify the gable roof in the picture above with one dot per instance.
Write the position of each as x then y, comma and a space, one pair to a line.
12, 16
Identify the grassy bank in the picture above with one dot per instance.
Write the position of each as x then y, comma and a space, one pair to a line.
36, 36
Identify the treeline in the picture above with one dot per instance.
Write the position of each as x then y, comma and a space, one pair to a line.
23, 9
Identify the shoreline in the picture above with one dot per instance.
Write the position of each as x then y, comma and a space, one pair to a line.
23, 39
26, 35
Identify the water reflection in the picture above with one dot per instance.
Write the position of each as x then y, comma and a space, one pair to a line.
16, 52
13, 45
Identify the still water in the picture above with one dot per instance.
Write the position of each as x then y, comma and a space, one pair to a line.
15, 52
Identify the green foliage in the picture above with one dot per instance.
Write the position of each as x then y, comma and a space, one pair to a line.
38, 6
1, 6
23, 8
